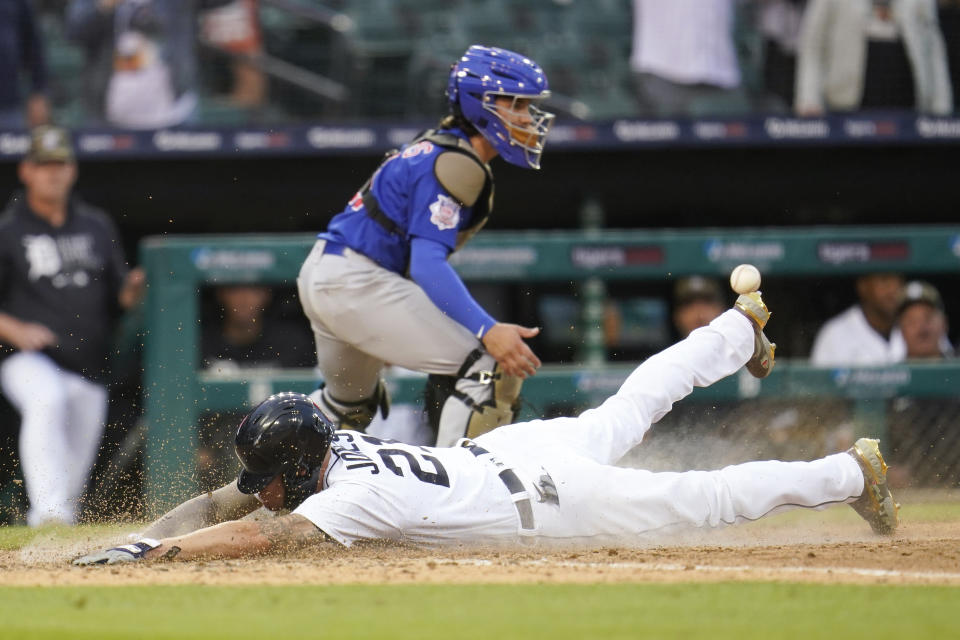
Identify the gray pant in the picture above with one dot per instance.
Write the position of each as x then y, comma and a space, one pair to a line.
364, 317
661, 98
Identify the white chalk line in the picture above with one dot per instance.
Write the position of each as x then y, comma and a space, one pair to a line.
672, 567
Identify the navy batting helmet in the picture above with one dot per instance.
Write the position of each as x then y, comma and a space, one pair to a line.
286, 435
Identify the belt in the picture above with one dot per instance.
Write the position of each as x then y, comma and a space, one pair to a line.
331, 248
518, 493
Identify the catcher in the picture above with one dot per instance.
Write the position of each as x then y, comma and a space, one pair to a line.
544, 481
377, 287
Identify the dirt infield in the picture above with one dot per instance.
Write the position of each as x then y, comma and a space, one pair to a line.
806, 549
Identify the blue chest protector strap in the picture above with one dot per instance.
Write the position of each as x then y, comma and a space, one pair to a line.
450, 142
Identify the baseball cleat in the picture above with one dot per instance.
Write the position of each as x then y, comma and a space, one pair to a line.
761, 362
876, 504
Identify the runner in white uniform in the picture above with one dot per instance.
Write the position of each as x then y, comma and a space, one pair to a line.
541, 481
569, 491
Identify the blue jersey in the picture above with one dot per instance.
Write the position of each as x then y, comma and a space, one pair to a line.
409, 195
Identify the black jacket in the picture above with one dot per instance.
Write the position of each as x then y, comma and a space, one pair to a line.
66, 278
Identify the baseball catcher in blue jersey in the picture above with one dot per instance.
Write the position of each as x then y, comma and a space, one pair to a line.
377, 287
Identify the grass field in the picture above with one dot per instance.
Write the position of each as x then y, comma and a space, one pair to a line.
405, 600
718, 611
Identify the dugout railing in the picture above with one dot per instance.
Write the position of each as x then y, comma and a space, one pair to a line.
177, 391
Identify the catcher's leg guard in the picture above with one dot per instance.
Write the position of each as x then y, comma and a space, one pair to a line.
355, 416
478, 399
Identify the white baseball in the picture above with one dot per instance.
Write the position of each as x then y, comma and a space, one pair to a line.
745, 279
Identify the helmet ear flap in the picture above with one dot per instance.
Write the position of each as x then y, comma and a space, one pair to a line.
316, 443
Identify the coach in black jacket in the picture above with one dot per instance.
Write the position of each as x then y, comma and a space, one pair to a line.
63, 282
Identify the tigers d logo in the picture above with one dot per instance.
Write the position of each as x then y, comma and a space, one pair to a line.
445, 213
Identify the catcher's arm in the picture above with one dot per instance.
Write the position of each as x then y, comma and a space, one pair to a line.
226, 503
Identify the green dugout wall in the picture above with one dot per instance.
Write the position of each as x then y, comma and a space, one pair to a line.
177, 392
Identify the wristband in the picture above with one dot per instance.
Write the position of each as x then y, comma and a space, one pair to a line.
139, 548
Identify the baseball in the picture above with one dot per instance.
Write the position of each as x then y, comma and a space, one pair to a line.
745, 279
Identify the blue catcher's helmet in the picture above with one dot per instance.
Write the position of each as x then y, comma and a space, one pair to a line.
286, 435
516, 130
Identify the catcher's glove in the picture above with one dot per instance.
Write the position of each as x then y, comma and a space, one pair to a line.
115, 555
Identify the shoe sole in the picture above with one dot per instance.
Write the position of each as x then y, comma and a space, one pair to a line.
762, 362
884, 511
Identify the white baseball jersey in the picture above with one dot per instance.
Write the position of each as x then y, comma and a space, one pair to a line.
686, 41
848, 340
66, 278
554, 480
380, 489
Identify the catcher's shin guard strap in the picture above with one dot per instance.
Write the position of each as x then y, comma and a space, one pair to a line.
479, 399
355, 415
501, 409
468, 364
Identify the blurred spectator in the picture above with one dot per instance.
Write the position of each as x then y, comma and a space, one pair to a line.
923, 322
141, 59
21, 51
235, 29
251, 334
684, 59
696, 301
924, 431
778, 22
866, 333
950, 26
247, 335
63, 282
851, 56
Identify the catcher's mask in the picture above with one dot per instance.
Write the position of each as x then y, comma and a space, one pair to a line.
285, 435
483, 74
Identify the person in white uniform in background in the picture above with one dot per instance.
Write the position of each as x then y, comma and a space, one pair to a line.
63, 283
866, 334
543, 481
684, 58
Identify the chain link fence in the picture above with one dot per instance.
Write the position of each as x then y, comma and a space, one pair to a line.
920, 436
